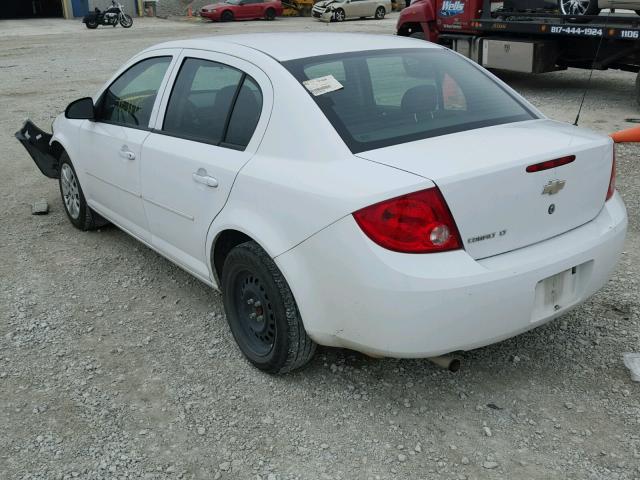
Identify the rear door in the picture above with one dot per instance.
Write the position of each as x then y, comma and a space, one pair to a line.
110, 147
209, 125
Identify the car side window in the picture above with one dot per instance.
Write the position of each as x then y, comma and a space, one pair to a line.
213, 103
245, 115
129, 99
201, 99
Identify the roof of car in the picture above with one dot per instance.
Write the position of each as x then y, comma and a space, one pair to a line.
289, 46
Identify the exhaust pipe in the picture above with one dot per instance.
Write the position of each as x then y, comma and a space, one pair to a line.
449, 363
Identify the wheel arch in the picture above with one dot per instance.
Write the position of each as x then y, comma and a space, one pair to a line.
408, 28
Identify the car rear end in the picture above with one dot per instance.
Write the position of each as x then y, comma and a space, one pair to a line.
517, 221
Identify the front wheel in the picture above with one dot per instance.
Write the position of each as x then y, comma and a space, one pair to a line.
227, 16
261, 311
380, 13
126, 21
75, 205
579, 7
339, 15
270, 14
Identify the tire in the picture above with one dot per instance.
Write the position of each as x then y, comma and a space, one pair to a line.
579, 8
75, 205
270, 14
227, 16
380, 13
126, 21
419, 35
637, 12
91, 25
339, 15
253, 287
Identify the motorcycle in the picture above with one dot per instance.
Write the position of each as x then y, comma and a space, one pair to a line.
111, 16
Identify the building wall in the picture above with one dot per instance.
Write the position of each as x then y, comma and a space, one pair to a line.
130, 6
179, 7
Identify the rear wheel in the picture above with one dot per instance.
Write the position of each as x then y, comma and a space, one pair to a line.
380, 13
91, 24
126, 21
75, 205
227, 16
261, 311
579, 7
270, 14
339, 15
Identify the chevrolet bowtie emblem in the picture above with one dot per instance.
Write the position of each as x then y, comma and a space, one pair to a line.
553, 187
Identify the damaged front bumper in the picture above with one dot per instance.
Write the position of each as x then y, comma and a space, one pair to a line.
36, 142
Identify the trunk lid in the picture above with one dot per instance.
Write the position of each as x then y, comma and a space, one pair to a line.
498, 206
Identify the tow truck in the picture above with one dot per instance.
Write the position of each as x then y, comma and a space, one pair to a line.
526, 40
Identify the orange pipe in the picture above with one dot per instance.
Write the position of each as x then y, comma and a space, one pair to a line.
628, 135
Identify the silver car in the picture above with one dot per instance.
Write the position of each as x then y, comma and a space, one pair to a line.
339, 10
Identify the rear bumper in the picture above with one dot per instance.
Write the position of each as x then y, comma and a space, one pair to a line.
36, 142
352, 293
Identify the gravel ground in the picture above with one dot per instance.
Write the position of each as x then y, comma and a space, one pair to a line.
114, 363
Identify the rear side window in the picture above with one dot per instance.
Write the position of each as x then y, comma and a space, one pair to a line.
245, 115
390, 97
129, 99
213, 103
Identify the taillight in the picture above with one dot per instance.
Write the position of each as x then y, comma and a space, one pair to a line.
612, 179
419, 222
546, 165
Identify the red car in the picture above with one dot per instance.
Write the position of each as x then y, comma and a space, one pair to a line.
242, 10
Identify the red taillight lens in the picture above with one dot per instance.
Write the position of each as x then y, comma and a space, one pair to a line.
612, 180
419, 222
558, 162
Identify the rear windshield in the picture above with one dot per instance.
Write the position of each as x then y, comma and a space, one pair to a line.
387, 97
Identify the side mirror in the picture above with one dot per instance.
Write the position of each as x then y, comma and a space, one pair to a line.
81, 109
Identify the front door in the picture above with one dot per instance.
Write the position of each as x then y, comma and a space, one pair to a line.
111, 146
207, 129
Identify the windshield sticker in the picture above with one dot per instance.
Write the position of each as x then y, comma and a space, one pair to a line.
451, 8
322, 85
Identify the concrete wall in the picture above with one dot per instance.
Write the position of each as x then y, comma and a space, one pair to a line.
179, 7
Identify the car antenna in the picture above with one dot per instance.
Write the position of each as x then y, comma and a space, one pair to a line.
593, 66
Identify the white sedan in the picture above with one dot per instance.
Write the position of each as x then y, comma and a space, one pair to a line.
339, 10
371, 192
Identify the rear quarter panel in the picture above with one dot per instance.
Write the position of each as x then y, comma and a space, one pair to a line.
303, 177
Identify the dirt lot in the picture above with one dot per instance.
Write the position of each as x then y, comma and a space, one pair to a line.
116, 364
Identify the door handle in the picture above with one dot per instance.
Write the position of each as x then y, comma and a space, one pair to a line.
201, 177
126, 153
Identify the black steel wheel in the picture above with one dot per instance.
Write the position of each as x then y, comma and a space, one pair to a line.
227, 16
270, 14
261, 311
